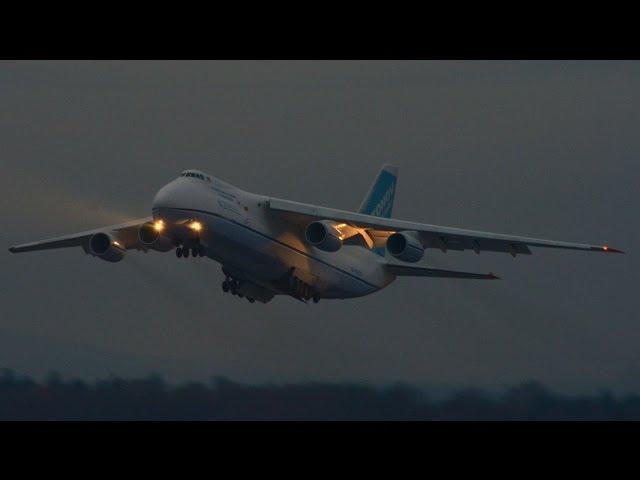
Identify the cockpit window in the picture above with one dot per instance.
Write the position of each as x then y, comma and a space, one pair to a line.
196, 175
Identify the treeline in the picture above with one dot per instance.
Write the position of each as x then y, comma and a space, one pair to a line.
152, 398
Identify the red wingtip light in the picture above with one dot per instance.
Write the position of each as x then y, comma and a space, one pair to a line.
606, 248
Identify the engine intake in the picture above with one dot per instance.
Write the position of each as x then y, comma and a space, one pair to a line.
323, 235
405, 246
105, 247
151, 236
148, 234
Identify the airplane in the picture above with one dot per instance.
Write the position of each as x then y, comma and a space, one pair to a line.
269, 246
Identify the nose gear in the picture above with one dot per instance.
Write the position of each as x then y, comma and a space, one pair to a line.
197, 250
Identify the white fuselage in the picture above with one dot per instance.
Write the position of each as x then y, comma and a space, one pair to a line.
246, 238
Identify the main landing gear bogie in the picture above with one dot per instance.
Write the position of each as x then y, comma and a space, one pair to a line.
232, 285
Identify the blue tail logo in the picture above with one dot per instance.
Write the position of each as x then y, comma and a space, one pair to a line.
379, 199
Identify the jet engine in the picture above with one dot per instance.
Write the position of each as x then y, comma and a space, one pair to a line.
323, 235
405, 246
148, 234
105, 247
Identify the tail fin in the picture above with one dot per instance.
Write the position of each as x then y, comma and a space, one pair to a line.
379, 199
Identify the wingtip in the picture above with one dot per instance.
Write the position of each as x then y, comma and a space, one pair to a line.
492, 276
12, 249
608, 249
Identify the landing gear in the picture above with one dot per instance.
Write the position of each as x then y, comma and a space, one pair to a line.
301, 290
232, 285
195, 251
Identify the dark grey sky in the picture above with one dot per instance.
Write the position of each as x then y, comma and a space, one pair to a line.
544, 149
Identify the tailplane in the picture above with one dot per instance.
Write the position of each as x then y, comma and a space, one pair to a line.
411, 271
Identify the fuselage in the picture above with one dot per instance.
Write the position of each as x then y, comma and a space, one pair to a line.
242, 234
272, 246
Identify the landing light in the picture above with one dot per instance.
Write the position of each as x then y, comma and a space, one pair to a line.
195, 226
158, 225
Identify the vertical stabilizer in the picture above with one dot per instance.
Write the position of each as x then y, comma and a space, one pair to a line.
379, 199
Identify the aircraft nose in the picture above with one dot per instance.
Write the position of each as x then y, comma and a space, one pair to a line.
161, 198
169, 196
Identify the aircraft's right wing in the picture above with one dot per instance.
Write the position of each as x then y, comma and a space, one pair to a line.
126, 235
431, 236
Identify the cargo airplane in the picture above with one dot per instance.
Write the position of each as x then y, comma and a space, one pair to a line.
269, 246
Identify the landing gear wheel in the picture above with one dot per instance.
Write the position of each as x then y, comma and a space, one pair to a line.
251, 300
316, 299
225, 286
202, 251
178, 252
195, 252
186, 253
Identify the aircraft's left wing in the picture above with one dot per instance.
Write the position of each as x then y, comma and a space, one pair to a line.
432, 236
126, 235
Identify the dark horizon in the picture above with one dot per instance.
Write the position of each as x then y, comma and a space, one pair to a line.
152, 398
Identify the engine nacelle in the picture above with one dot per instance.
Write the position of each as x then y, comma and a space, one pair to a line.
405, 246
323, 235
148, 234
105, 247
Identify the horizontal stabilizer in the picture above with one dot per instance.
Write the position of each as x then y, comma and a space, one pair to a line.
409, 271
